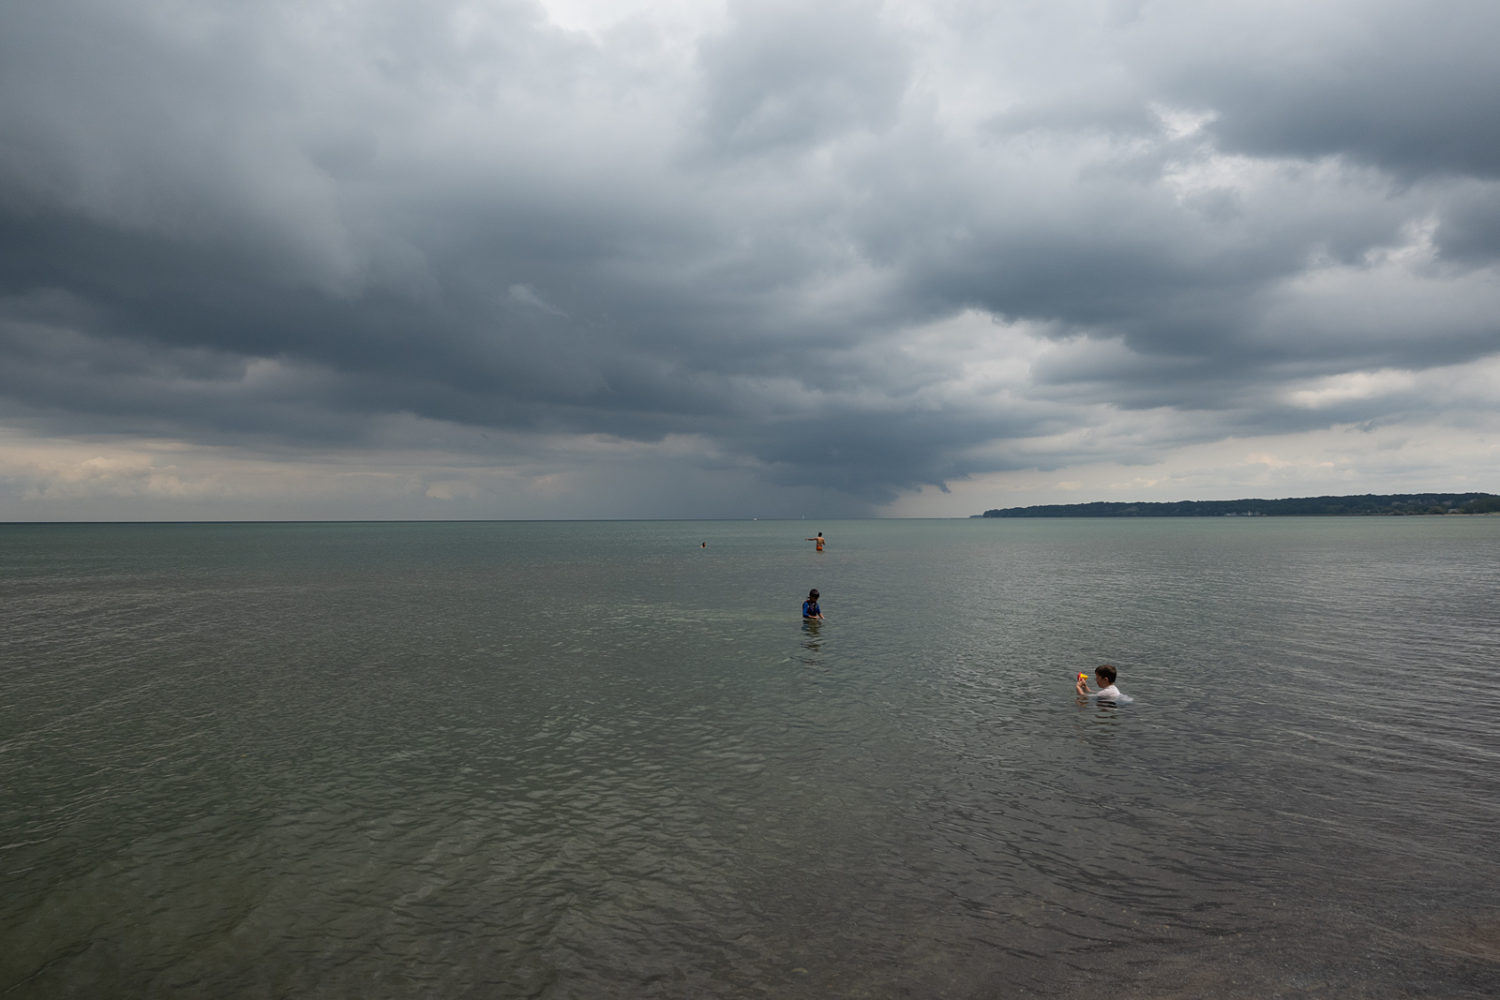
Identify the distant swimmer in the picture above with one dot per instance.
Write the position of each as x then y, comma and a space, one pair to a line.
705, 545
819, 540
810, 607
1105, 675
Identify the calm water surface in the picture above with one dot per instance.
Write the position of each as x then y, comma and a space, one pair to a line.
593, 760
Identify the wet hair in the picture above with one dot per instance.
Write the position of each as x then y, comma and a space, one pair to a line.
1106, 671
812, 595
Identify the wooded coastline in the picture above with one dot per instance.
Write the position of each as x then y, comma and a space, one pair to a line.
1366, 505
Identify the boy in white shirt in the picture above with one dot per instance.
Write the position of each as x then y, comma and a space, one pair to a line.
1105, 675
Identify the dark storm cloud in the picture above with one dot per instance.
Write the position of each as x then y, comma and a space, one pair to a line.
1406, 87
280, 223
1468, 232
793, 75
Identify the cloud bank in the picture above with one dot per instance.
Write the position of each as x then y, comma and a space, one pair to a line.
514, 259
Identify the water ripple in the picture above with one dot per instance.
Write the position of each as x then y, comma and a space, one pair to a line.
575, 761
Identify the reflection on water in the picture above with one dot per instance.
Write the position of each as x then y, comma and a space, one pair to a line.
590, 760
812, 641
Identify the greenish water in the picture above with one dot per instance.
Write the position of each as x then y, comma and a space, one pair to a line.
600, 760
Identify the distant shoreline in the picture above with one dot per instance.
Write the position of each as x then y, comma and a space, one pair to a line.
1365, 505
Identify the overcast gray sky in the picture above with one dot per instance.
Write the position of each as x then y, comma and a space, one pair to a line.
509, 258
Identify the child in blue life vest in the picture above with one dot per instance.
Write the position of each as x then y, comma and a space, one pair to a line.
810, 607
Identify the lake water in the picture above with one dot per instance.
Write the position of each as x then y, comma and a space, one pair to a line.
597, 760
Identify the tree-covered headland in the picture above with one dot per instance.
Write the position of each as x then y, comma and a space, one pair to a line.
1368, 505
